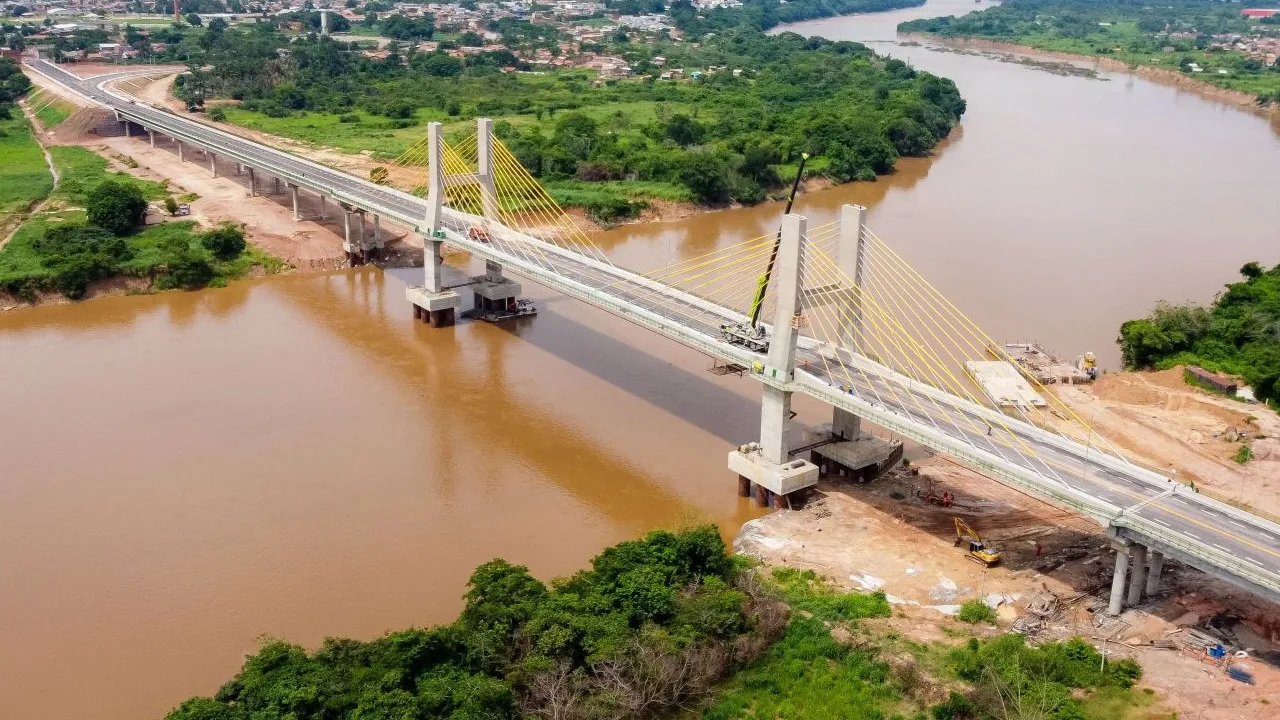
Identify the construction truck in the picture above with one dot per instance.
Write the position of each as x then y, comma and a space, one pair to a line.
978, 551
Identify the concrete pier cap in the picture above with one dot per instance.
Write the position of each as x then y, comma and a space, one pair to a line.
433, 302
779, 478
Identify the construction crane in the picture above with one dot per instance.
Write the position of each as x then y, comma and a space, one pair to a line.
752, 334
978, 552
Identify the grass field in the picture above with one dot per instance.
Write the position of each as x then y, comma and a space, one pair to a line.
23, 270
24, 176
50, 110
83, 170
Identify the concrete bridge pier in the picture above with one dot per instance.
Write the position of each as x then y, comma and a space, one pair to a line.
853, 454
765, 468
354, 250
1116, 604
1153, 572
151, 135
1138, 575
213, 164
128, 131
375, 248
276, 180
432, 303
293, 193
253, 182
181, 158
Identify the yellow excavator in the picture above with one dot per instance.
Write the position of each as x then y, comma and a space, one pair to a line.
978, 552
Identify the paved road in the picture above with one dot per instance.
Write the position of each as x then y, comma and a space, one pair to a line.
1208, 535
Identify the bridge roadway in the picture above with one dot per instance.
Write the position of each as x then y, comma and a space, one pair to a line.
1134, 503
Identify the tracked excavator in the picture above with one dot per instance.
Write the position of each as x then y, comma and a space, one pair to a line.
978, 551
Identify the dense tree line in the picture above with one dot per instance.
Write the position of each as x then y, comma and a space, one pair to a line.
1131, 30
1079, 18
13, 85
766, 14
650, 627
725, 137
1238, 334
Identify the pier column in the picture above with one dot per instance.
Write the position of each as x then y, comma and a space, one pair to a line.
324, 208
128, 131
431, 302
850, 253
346, 235
180, 156
151, 135
1116, 604
293, 191
213, 164
1153, 573
484, 168
767, 463
377, 235
277, 185
1138, 578
253, 183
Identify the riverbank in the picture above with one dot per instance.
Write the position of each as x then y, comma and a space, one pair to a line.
1163, 76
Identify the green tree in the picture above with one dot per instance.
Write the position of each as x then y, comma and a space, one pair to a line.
118, 207
193, 20
225, 242
706, 176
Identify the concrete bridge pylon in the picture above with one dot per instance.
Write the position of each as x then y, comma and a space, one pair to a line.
431, 301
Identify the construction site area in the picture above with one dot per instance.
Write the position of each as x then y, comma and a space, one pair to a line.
1210, 650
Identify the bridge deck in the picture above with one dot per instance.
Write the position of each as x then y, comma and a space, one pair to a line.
1135, 502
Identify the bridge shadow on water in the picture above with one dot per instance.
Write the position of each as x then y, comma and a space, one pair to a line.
434, 362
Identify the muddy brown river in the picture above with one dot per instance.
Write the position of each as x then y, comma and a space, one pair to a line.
185, 473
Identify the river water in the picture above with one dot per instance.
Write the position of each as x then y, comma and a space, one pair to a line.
181, 474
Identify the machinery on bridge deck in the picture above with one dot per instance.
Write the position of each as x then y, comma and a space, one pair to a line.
978, 552
752, 337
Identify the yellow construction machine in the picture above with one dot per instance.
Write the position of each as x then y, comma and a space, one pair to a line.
978, 552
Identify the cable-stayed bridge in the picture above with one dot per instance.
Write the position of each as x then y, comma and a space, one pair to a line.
845, 320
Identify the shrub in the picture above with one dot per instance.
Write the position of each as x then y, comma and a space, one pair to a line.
171, 205
225, 242
976, 611
1243, 455
79, 254
116, 206
217, 114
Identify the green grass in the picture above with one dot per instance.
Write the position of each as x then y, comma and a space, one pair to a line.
50, 110
1243, 455
808, 674
975, 611
21, 266
24, 176
1113, 703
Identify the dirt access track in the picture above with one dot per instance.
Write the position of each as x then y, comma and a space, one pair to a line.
884, 536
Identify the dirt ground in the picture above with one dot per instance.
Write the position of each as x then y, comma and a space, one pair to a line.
883, 536
1164, 423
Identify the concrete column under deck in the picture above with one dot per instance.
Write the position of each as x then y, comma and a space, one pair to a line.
1153, 574
128, 131
180, 152
293, 191
253, 183
151, 135
767, 465
1116, 604
277, 185
213, 164
324, 208
1138, 578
